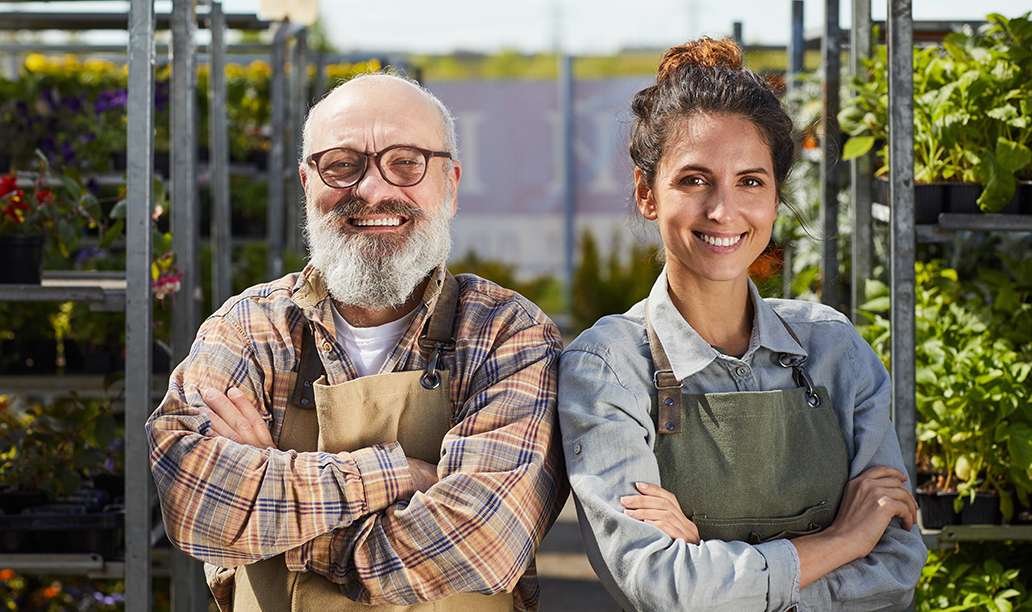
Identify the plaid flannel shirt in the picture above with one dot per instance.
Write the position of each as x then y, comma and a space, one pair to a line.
356, 517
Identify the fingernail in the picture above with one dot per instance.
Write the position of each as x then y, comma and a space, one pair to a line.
210, 394
234, 392
641, 485
629, 512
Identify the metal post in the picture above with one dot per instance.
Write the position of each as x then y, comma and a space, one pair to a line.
797, 47
274, 226
861, 168
830, 147
218, 166
185, 220
187, 574
565, 108
736, 29
295, 118
903, 242
139, 193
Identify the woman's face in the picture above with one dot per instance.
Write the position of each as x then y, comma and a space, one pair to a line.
714, 198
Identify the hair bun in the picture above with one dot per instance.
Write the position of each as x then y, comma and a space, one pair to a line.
705, 52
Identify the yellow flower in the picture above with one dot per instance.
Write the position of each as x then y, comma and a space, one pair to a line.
35, 62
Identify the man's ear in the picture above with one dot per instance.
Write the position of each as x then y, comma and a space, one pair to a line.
304, 177
643, 196
454, 174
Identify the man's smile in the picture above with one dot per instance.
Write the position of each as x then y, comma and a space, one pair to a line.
378, 221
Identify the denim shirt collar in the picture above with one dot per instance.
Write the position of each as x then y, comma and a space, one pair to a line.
689, 353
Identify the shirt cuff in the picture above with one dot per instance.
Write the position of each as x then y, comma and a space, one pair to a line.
783, 572
385, 475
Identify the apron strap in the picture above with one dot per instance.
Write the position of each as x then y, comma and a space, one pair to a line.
668, 388
438, 336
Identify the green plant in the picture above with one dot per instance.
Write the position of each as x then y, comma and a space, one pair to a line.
985, 577
50, 447
972, 109
613, 287
972, 376
59, 207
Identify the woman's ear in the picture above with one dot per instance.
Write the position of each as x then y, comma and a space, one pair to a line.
643, 196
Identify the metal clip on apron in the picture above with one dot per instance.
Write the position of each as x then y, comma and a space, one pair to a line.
749, 466
411, 407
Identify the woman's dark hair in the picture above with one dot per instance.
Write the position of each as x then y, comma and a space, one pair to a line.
706, 76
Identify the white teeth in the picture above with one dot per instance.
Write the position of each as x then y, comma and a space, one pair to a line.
720, 242
392, 221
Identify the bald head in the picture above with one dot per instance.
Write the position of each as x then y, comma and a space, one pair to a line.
372, 98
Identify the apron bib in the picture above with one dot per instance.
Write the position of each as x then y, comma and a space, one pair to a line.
412, 407
749, 466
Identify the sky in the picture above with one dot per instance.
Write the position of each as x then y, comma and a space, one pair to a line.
586, 26
579, 27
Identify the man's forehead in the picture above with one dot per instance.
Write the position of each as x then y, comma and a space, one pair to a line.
388, 105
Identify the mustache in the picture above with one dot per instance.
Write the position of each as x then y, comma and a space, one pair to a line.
353, 207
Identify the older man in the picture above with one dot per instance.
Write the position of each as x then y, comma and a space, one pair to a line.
371, 429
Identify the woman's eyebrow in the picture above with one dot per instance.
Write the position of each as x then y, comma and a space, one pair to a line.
760, 170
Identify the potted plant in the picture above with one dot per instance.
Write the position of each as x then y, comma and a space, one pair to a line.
972, 117
972, 382
43, 214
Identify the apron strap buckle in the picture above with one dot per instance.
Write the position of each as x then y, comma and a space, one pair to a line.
801, 376
431, 379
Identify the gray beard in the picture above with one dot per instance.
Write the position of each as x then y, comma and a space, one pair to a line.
377, 272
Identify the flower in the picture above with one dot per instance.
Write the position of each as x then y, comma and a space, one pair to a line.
165, 277
60, 208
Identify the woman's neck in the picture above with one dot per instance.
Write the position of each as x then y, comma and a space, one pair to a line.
720, 312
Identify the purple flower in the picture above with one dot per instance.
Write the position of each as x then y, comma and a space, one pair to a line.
67, 152
47, 144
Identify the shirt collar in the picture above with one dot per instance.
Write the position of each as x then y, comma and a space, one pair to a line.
689, 353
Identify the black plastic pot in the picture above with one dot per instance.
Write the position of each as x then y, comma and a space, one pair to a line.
930, 199
22, 257
936, 509
64, 528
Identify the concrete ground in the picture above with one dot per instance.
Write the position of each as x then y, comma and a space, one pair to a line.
568, 584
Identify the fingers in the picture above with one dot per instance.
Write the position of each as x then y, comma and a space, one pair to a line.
234, 417
660, 508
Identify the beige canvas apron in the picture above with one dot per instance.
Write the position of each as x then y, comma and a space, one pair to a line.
749, 466
411, 407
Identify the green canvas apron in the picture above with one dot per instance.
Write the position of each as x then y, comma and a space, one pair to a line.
749, 466
411, 407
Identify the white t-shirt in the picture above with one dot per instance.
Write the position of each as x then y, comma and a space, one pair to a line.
369, 347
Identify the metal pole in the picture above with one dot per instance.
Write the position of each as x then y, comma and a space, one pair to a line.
139, 193
295, 118
187, 574
830, 147
185, 220
274, 228
218, 167
569, 185
903, 242
797, 47
861, 168
736, 29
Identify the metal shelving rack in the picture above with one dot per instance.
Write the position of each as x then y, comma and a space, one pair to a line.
904, 234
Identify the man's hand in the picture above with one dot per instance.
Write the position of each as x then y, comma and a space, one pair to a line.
233, 417
659, 507
424, 475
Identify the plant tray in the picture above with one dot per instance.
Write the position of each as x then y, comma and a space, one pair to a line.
930, 199
47, 530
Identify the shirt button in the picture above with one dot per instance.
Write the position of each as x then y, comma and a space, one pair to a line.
327, 347
576, 449
742, 371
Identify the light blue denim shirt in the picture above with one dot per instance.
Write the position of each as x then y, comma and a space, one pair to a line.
605, 389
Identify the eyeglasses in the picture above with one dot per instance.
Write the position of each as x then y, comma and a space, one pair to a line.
399, 165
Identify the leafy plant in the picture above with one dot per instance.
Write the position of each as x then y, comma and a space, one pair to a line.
972, 109
50, 447
972, 376
980, 577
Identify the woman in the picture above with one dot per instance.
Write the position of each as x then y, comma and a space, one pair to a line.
728, 452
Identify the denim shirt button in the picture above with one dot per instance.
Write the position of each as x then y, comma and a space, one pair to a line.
576, 449
742, 371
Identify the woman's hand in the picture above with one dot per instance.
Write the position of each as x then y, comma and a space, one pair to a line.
233, 417
659, 507
869, 502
